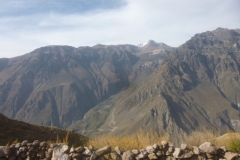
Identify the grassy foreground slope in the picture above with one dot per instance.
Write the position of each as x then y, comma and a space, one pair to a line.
11, 130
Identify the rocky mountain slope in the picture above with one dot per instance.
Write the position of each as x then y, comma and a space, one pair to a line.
57, 85
196, 87
15, 130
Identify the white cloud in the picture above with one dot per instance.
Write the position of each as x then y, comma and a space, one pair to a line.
171, 22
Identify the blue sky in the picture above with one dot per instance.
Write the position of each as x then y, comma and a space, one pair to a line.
29, 24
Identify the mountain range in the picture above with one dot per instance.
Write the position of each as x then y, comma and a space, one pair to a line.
119, 89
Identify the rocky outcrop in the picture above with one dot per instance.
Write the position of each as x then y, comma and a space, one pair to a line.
164, 151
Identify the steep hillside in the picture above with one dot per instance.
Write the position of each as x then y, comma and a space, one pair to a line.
197, 87
57, 85
12, 130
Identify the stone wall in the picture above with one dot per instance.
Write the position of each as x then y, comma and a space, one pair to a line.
164, 151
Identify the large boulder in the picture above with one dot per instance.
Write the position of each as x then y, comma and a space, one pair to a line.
208, 147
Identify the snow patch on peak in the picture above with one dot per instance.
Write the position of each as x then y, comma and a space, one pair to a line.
150, 42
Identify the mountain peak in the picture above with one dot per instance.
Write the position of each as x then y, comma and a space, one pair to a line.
149, 43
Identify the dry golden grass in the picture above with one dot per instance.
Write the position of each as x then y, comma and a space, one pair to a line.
196, 138
131, 141
64, 140
230, 140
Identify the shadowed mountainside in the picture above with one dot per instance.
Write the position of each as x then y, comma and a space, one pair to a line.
12, 130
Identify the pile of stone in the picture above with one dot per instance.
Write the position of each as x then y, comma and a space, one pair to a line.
25, 150
164, 151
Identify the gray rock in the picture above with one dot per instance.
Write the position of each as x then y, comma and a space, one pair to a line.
114, 156
196, 150
24, 143
43, 144
101, 158
140, 156
32, 154
72, 150
36, 143
187, 154
23, 155
152, 156
209, 156
164, 144
143, 153
41, 154
194, 157
48, 155
183, 146
12, 146
87, 152
60, 151
170, 158
155, 146
22, 149
177, 152
202, 156
170, 144
231, 156
150, 149
85, 157
135, 151
4, 151
105, 150
118, 150
91, 148
76, 155
93, 156
127, 155
50, 150
158, 153
208, 147
80, 149
223, 149
29, 144
18, 145
61, 157
171, 149
52, 145
168, 153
